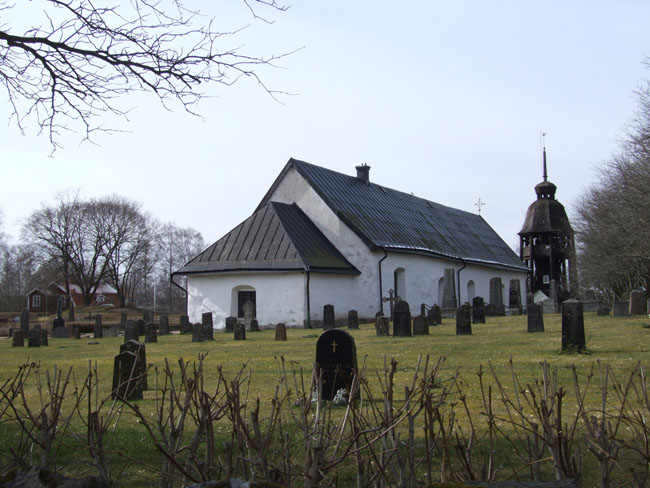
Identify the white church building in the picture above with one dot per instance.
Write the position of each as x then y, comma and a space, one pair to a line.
321, 237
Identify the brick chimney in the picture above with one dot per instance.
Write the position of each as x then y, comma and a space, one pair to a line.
363, 173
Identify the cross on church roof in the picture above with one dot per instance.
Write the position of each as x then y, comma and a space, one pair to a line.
479, 204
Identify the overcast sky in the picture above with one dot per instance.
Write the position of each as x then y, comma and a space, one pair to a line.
445, 100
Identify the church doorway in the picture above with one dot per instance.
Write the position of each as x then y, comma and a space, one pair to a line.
240, 295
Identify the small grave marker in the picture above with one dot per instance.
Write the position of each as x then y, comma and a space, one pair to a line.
336, 361
280, 332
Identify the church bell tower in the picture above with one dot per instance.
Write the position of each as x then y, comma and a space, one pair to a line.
547, 245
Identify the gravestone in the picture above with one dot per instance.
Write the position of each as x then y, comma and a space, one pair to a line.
139, 325
71, 311
464, 320
18, 339
478, 310
638, 302
437, 314
131, 332
336, 361
449, 289
280, 332
150, 333
382, 326
255, 326
186, 327
535, 318
208, 326
431, 320
353, 319
147, 316
496, 308
24, 322
197, 333
514, 295
603, 310
573, 327
230, 324
240, 331
164, 325
420, 326
123, 319
98, 331
621, 308
130, 371
43, 337
76, 333
58, 321
402, 320
329, 321
34, 338
249, 313
60, 332
112, 331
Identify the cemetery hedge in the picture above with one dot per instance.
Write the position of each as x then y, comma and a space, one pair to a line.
618, 343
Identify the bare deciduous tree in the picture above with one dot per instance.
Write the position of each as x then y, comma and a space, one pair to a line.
67, 66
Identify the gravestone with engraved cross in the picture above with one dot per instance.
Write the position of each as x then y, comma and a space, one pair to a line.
336, 361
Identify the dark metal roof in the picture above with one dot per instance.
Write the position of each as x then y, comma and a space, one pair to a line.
387, 218
277, 237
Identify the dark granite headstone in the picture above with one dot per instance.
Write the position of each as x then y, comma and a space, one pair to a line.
230, 324
130, 371
638, 302
131, 332
34, 338
18, 339
112, 331
98, 331
164, 325
464, 320
208, 327
420, 326
437, 315
382, 326
139, 325
402, 319
147, 316
150, 333
496, 307
60, 333
621, 308
240, 331
329, 320
603, 310
535, 317
573, 327
186, 327
197, 333
353, 319
336, 361
431, 320
478, 310
43, 337
24, 322
280, 332
255, 326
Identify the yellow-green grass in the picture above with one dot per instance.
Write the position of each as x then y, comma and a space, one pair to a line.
618, 342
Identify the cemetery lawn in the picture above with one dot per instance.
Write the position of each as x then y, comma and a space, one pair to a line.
618, 342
